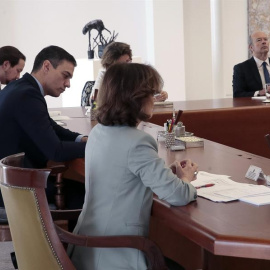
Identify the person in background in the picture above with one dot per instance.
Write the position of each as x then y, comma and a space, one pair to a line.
248, 77
25, 123
117, 52
123, 169
12, 63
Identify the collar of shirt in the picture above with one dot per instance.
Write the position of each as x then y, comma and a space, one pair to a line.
259, 62
40, 86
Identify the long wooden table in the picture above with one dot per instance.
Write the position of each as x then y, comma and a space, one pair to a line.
241, 123
206, 104
223, 236
204, 234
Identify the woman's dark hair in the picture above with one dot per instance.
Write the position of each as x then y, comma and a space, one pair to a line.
113, 52
125, 90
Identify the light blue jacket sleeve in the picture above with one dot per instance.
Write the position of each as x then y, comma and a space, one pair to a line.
143, 161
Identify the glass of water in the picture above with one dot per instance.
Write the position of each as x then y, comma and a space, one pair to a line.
267, 91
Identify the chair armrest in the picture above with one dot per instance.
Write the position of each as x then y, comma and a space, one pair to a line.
151, 250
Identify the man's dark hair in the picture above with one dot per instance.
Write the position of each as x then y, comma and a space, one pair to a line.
55, 55
11, 54
124, 93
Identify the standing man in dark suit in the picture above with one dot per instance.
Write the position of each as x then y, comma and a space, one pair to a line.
25, 123
12, 62
248, 77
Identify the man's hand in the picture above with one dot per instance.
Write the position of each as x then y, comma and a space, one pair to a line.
262, 92
84, 139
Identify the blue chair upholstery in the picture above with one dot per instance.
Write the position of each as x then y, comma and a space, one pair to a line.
86, 92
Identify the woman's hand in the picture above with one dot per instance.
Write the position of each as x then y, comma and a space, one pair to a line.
185, 170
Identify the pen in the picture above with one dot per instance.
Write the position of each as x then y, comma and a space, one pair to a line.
178, 116
207, 185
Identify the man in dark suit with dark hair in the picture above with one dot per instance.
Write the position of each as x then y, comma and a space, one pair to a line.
248, 77
12, 62
25, 123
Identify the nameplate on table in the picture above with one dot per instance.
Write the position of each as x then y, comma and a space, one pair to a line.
255, 173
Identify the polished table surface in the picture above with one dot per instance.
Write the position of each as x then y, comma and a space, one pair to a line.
188, 105
235, 229
206, 104
241, 123
203, 233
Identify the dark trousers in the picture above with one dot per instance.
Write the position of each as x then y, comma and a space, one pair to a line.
74, 193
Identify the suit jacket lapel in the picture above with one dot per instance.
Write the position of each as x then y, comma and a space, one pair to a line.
254, 70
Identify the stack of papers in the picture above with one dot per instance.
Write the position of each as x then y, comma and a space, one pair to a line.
60, 117
54, 113
191, 141
163, 103
263, 98
262, 199
56, 116
225, 189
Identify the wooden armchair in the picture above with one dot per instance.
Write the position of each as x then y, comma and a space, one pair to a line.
57, 170
36, 239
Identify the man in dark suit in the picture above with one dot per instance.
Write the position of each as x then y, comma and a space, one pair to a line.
248, 76
12, 62
25, 123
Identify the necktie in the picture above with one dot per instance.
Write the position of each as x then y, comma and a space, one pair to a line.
266, 73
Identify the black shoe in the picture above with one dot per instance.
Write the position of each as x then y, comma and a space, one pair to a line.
14, 260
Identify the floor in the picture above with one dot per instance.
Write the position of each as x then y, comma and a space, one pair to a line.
5, 261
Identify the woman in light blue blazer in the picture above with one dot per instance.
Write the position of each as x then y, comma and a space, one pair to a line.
123, 169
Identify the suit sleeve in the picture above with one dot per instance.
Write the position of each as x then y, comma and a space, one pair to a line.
64, 134
143, 161
240, 86
54, 142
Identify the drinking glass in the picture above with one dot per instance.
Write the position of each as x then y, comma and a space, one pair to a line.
267, 91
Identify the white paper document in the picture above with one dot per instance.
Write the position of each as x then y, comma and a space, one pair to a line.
59, 117
257, 200
56, 116
219, 188
54, 113
244, 190
259, 98
163, 103
60, 123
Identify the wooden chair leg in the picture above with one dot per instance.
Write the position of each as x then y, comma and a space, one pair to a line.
5, 233
59, 197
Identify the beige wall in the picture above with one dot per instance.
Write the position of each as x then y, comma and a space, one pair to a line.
215, 40
176, 36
